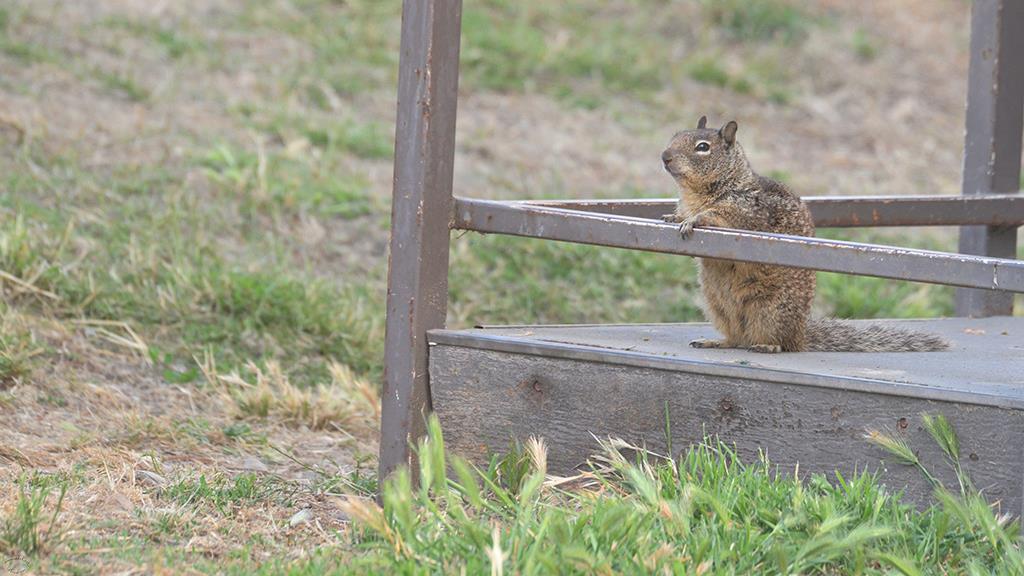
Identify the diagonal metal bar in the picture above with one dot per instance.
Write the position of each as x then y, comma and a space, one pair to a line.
849, 211
520, 219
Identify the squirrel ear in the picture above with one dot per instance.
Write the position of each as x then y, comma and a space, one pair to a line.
702, 123
728, 132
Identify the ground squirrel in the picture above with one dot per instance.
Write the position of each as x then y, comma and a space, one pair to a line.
756, 306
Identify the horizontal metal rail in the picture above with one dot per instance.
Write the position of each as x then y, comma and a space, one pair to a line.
537, 221
849, 211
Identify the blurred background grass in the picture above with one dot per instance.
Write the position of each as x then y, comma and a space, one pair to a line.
218, 177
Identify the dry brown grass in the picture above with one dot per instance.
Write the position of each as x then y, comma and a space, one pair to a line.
347, 402
131, 452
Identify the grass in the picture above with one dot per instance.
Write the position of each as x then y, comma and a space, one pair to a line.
760, 33
159, 270
369, 140
365, 140
864, 45
291, 181
344, 402
848, 296
865, 297
759, 20
509, 46
710, 71
33, 524
177, 42
762, 76
16, 349
354, 43
566, 50
507, 280
120, 83
24, 52
13, 361
201, 303
497, 280
703, 511
225, 495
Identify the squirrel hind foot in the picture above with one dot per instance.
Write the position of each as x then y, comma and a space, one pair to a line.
708, 343
766, 348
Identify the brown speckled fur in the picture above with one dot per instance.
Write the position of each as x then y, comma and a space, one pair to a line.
756, 306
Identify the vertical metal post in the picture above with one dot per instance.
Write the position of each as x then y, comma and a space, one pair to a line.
992, 145
421, 214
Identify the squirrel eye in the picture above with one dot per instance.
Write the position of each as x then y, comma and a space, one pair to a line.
702, 147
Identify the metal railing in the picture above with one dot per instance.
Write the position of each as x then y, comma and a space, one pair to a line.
424, 211
552, 222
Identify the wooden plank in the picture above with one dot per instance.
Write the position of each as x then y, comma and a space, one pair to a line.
984, 366
992, 144
485, 397
420, 213
847, 211
520, 219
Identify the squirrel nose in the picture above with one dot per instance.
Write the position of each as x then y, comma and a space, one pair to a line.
666, 157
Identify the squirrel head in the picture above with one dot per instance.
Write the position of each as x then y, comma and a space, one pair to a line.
704, 159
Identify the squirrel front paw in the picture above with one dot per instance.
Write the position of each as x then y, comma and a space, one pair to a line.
686, 226
673, 217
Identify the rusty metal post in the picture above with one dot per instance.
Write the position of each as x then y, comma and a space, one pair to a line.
421, 212
992, 145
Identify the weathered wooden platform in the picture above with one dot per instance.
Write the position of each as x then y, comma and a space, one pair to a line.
568, 383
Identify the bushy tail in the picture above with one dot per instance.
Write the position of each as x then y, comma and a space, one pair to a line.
831, 335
